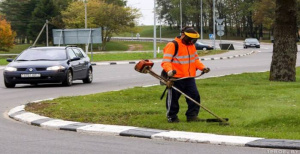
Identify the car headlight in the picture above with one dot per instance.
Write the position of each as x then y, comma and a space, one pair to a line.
55, 68
10, 69
247, 43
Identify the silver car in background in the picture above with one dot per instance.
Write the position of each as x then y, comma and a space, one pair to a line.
251, 42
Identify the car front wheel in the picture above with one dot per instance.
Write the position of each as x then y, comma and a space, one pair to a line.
9, 85
69, 79
89, 78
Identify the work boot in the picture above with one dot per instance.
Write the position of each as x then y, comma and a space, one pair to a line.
173, 120
194, 119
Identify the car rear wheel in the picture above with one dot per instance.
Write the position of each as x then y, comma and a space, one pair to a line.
69, 78
9, 85
204, 49
89, 78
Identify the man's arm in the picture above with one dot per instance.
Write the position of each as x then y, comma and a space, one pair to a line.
169, 51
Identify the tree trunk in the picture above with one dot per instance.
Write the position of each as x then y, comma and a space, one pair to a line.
285, 45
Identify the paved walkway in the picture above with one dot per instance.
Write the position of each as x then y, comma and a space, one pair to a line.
19, 113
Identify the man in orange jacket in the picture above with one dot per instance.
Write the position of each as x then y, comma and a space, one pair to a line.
181, 65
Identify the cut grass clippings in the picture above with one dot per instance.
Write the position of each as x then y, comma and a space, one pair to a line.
255, 107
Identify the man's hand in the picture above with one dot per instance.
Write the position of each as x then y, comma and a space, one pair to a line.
171, 73
206, 70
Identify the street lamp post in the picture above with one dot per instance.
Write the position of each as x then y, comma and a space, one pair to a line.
85, 23
180, 16
214, 24
201, 22
154, 32
85, 14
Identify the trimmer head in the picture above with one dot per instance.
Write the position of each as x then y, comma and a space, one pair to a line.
143, 66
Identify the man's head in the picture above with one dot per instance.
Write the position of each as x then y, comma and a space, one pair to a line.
189, 36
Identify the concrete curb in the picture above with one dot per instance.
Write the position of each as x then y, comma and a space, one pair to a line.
18, 113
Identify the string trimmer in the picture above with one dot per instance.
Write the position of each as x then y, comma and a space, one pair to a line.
145, 66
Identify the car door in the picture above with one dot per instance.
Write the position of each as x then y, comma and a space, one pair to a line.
74, 64
82, 64
87, 62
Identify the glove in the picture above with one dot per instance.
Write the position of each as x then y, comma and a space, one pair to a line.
171, 73
206, 70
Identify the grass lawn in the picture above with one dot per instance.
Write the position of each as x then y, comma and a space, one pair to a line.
255, 107
132, 46
3, 59
16, 49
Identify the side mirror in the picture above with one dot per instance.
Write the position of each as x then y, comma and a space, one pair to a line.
74, 59
9, 60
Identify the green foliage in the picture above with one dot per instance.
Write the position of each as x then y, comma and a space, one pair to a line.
44, 10
255, 107
117, 2
111, 18
264, 13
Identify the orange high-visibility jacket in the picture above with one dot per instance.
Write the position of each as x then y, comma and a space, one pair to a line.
185, 62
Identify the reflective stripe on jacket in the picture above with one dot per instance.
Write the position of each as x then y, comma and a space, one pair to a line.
185, 62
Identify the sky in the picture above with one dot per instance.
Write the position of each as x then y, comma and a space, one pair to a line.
146, 9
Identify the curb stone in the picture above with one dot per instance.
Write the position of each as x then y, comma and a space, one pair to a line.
18, 113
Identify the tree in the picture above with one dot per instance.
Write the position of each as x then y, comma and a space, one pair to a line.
44, 10
111, 18
7, 36
59, 5
264, 14
116, 2
18, 13
285, 45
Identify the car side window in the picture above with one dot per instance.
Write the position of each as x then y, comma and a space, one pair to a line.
78, 53
71, 53
82, 52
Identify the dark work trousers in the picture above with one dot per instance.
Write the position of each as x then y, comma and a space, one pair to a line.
187, 86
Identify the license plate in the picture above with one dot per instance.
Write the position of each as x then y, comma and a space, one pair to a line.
30, 75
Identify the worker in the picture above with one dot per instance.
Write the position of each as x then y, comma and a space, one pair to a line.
183, 64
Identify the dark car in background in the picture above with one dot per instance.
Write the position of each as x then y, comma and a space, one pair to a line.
201, 46
48, 65
251, 42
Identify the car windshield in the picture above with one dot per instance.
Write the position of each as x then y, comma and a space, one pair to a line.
42, 54
252, 40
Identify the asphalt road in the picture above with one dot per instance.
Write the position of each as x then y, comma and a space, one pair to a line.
17, 137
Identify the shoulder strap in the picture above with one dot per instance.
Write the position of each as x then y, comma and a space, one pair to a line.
176, 47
